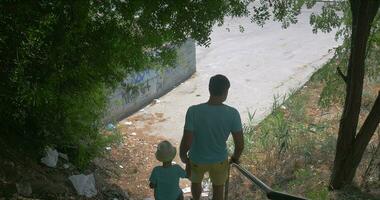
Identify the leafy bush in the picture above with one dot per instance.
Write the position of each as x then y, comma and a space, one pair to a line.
59, 60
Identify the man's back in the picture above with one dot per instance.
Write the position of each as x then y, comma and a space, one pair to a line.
211, 126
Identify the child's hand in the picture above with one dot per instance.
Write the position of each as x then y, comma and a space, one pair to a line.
188, 170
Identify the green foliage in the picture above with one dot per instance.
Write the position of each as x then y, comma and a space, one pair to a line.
59, 59
274, 132
285, 12
338, 15
296, 105
334, 87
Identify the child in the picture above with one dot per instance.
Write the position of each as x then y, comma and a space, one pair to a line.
165, 179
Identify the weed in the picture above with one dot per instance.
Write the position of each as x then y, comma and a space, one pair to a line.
296, 105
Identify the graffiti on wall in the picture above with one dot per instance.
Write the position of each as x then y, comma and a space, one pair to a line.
141, 87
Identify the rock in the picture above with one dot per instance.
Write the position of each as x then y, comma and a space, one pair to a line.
115, 192
66, 166
24, 189
55, 187
84, 184
7, 190
51, 157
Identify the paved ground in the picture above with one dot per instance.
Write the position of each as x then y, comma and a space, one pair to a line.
260, 63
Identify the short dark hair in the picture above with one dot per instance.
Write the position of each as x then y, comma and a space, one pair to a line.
218, 85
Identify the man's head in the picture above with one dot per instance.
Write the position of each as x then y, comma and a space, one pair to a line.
218, 86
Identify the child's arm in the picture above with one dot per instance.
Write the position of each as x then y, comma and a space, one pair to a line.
153, 179
182, 173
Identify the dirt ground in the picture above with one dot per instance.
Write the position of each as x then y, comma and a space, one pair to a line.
135, 157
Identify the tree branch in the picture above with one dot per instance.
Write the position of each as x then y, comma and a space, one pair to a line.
341, 74
367, 130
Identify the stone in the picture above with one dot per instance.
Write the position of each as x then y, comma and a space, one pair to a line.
84, 184
51, 157
24, 189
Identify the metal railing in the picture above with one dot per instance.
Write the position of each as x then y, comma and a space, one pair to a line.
270, 193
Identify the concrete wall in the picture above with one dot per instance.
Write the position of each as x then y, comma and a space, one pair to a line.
139, 89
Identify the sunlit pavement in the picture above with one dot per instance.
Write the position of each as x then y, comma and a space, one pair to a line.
260, 62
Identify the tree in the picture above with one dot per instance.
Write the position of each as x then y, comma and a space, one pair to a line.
355, 22
352, 144
59, 59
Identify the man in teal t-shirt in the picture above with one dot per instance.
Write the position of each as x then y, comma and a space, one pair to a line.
203, 146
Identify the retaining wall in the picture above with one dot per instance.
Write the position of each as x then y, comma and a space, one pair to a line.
140, 89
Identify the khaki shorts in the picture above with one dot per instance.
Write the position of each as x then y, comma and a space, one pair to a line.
218, 172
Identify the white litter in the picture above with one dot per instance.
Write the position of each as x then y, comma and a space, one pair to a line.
108, 148
51, 157
84, 185
204, 194
142, 110
121, 166
66, 166
110, 127
128, 123
133, 134
283, 107
64, 156
156, 101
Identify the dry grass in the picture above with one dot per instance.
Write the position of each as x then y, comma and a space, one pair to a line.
293, 149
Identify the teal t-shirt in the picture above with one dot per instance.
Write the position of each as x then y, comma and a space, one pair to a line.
211, 125
166, 181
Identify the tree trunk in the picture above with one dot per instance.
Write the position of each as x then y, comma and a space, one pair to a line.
363, 13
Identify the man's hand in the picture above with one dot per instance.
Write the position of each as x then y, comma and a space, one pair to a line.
186, 141
239, 146
234, 160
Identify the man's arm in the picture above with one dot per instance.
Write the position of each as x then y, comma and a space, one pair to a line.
239, 146
186, 141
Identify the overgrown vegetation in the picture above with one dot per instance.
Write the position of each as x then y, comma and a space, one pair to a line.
59, 59
293, 149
